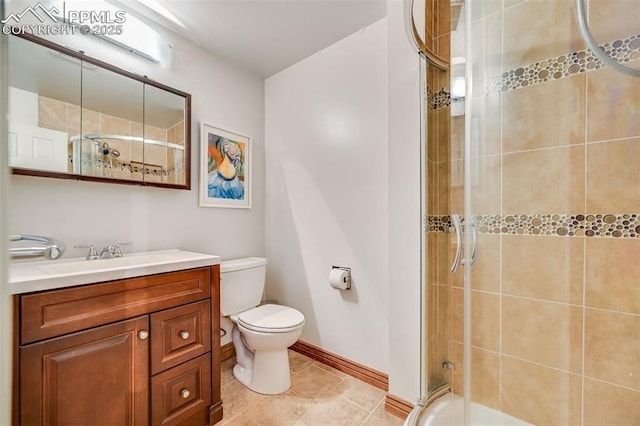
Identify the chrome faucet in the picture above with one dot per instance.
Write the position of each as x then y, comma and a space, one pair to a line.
112, 250
51, 249
93, 255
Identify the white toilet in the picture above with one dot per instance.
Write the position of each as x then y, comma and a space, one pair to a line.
261, 334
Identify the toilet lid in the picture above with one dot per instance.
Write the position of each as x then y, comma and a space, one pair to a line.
271, 319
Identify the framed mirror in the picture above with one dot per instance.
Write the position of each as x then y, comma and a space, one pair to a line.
75, 117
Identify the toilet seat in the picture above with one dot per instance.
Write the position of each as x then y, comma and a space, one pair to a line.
271, 319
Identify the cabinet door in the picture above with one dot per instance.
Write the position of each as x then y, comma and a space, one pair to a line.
95, 377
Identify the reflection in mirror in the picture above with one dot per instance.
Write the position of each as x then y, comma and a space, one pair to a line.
44, 106
164, 133
72, 116
112, 113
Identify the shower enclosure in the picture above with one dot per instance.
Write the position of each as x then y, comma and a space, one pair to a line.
530, 181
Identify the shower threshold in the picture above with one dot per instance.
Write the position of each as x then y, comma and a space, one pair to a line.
448, 410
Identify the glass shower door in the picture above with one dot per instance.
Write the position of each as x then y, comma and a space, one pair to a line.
439, 345
437, 365
552, 144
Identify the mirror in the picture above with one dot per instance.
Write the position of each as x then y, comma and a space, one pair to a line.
74, 117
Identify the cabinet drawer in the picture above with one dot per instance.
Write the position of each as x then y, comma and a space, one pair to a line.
180, 334
57, 312
181, 392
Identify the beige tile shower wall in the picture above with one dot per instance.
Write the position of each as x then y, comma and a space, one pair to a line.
52, 114
439, 295
175, 134
556, 320
57, 115
429, 22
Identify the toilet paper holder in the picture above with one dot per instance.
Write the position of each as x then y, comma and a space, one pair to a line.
348, 277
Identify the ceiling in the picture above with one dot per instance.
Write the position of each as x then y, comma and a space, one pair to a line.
265, 36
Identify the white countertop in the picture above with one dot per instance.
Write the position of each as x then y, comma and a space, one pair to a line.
25, 277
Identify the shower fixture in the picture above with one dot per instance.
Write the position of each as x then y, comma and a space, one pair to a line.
414, 36
593, 46
105, 149
100, 138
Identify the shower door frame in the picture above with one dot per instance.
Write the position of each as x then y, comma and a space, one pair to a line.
427, 396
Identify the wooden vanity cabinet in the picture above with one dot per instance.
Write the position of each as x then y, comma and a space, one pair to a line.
95, 375
140, 351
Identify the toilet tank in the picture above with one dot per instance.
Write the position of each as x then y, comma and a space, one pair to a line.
241, 284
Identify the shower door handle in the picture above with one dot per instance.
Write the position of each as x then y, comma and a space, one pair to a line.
474, 241
457, 227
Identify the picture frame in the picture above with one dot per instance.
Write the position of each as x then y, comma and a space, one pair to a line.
225, 168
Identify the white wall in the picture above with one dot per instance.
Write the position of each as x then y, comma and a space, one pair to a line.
344, 193
327, 194
404, 212
152, 218
6, 305
156, 218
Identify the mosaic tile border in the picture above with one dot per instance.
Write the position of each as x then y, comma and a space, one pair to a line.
437, 100
438, 223
133, 167
624, 50
625, 225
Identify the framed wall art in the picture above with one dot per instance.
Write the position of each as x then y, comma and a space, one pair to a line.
225, 168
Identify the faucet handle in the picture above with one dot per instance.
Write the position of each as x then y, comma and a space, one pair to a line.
93, 254
116, 250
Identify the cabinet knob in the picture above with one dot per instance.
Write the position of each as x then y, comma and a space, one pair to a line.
185, 393
143, 334
184, 335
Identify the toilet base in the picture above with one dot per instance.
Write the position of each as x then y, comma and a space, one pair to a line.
242, 374
263, 359
269, 374
275, 377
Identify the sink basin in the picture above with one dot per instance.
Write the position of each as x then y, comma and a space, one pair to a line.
26, 277
135, 259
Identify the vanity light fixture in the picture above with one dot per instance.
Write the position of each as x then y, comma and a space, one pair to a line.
157, 7
132, 34
68, 58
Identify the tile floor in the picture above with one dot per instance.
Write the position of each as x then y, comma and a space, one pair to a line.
319, 395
